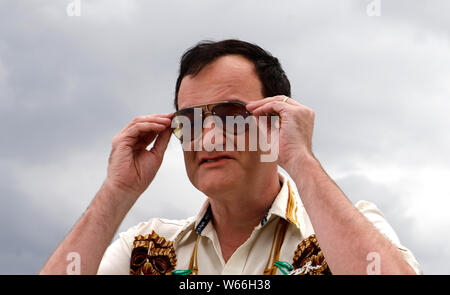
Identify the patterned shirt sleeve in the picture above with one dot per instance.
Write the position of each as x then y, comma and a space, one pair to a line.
374, 215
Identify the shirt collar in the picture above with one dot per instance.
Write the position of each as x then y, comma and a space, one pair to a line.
286, 205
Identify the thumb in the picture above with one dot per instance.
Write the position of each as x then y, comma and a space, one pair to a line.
161, 143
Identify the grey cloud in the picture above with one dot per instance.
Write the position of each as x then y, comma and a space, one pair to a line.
27, 235
393, 201
57, 98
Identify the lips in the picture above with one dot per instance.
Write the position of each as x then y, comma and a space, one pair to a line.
214, 158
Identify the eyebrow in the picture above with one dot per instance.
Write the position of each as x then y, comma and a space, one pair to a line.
217, 102
236, 100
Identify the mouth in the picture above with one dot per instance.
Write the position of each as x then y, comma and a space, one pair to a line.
214, 160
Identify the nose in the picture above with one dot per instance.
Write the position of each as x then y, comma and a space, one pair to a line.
212, 134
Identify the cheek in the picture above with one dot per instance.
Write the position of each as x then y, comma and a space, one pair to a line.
189, 162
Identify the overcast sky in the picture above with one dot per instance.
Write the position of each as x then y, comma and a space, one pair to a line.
379, 86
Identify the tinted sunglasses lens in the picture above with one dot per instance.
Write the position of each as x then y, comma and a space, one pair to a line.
231, 109
181, 118
185, 122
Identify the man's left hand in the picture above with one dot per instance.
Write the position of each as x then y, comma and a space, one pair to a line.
296, 129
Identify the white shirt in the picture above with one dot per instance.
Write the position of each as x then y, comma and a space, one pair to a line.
192, 245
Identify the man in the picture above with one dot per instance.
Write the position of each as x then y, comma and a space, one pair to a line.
252, 221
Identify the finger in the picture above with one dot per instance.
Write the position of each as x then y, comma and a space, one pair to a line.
156, 118
255, 104
143, 128
147, 135
273, 107
153, 116
161, 142
144, 140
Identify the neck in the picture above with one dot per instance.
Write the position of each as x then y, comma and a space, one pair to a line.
237, 212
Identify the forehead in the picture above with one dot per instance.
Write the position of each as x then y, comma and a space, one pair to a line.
230, 77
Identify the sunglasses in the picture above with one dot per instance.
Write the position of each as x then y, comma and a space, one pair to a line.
220, 110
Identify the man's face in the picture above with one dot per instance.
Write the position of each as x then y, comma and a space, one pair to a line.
230, 77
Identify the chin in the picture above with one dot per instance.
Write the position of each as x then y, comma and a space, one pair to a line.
216, 181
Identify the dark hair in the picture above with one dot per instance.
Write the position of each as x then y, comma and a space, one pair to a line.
267, 67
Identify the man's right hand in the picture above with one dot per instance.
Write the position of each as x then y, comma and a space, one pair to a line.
131, 166
131, 169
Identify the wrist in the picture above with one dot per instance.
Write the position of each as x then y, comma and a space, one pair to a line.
112, 201
301, 165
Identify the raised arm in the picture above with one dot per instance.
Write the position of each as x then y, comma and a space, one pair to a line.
345, 236
131, 169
